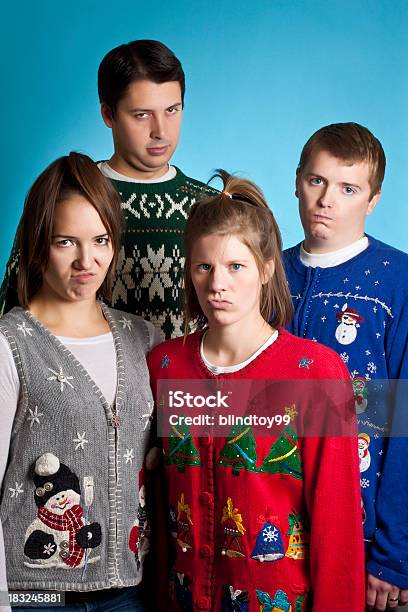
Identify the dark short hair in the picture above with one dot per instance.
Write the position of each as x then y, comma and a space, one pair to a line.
73, 174
241, 210
138, 60
350, 142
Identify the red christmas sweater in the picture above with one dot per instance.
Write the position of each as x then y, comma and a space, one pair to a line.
268, 522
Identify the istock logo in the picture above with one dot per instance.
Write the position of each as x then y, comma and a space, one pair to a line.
179, 399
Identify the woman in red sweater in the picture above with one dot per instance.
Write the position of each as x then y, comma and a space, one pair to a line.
264, 514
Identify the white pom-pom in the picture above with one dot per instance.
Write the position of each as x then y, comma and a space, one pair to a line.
47, 465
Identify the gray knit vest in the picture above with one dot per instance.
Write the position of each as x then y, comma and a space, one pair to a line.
72, 500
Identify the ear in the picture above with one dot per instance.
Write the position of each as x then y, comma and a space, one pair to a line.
297, 183
268, 271
373, 202
106, 114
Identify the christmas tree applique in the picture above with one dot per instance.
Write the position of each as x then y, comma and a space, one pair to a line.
299, 603
283, 457
234, 600
269, 544
239, 451
298, 539
279, 603
184, 523
182, 450
233, 530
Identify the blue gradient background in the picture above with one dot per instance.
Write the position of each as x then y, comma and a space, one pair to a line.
260, 80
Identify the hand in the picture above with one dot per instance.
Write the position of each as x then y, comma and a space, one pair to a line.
403, 597
382, 595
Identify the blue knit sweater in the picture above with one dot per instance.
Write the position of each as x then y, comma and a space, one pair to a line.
360, 309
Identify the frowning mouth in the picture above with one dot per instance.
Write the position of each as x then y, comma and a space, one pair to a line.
219, 304
83, 278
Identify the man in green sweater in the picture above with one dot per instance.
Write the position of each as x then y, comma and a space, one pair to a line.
141, 89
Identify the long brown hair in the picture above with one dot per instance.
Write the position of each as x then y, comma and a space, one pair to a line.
73, 174
240, 210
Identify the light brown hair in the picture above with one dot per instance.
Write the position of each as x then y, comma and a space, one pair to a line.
73, 174
240, 210
350, 142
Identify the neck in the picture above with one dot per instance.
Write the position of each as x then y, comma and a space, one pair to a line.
232, 344
81, 319
316, 246
123, 167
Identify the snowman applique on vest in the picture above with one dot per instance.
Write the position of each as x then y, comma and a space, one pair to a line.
59, 536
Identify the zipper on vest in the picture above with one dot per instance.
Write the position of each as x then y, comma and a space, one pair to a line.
115, 420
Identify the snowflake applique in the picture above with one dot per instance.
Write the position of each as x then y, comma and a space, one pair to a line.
374, 309
336, 306
26, 331
305, 362
345, 280
148, 416
61, 378
380, 452
364, 483
15, 491
368, 352
80, 440
371, 367
165, 362
386, 263
325, 302
126, 323
323, 318
358, 287
367, 272
376, 282
378, 335
378, 474
128, 456
344, 357
269, 534
34, 416
49, 549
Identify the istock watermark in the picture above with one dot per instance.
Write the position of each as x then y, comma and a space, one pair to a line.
310, 407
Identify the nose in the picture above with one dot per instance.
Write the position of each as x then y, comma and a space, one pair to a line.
83, 259
217, 280
157, 127
326, 199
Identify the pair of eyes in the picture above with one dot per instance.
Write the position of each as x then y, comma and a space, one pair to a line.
67, 242
207, 267
317, 181
173, 110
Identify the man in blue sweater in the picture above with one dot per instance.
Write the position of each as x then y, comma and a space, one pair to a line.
350, 292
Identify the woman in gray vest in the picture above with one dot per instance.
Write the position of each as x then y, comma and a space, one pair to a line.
76, 403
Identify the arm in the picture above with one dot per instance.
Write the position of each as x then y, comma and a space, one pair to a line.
388, 555
333, 499
9, 393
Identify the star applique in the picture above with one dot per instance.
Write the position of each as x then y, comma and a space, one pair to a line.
80, 440
34, 416
305, 362
165, 362
61, 378
128, 456
26, 331
15, 492
126, 323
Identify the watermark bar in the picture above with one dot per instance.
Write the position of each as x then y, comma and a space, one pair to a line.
32, 599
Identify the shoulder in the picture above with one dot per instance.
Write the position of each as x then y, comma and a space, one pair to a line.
195, 187
170, 356
386, 255
291, 256
136, 326
312, 358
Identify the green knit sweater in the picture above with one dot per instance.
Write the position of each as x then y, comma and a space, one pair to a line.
149, 276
